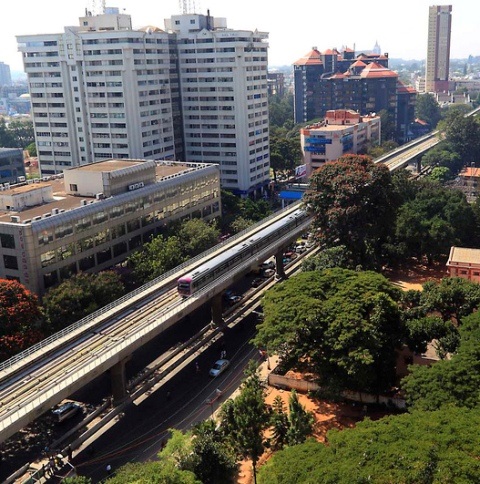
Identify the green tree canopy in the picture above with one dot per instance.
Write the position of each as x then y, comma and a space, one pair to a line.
342, 325
196, 236
422, 447
81, 295
454, 381
352, 202
434, 220
153, 472
463, 134
156, 257
427, 109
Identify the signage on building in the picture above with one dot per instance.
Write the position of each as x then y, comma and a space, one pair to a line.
136, 186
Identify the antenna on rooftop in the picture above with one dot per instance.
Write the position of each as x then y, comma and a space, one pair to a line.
98, 7
187, 6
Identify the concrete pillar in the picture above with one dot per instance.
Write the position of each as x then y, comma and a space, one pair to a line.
217, 310
118, 382
418, 160
279, 265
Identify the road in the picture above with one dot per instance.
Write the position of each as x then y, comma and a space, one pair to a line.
140, 433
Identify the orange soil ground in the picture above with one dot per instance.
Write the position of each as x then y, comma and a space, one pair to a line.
342, 415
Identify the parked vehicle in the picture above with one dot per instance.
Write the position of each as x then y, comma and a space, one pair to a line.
219, 367
258, 281
268, 272
66, 411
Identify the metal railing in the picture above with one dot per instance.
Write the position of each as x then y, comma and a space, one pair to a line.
143, 291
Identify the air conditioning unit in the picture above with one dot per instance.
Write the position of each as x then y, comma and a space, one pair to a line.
7, 186
21, 179
55, 211
27, 221
83, 202
45, 215
15, 219
99, 196
38, 217
36, 180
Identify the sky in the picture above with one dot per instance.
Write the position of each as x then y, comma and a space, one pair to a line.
400, 28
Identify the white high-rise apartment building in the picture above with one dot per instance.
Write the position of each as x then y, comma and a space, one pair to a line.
438, 51
101, 90
223, 82
104, 90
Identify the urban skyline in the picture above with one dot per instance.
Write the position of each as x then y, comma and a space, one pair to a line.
402, 33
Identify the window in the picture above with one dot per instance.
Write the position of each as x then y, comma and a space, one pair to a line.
10, 262
7, 241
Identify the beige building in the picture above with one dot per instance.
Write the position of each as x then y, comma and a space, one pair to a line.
464, 262
92, 217
342, 131
438, 50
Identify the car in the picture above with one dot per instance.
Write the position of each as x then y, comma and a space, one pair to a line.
268, 272
300, 248
65, 411
233, 299
219, 367
258, 281
268, 264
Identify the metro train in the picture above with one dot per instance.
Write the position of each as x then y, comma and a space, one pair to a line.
219, 265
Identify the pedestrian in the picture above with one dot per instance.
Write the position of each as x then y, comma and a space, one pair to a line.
223, 355
197, 367
109, 470
69, 453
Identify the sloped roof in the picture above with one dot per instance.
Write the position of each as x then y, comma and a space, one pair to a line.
375, 70
401, 87
358, 63
331, 52
337, 75
464, 255
309, 59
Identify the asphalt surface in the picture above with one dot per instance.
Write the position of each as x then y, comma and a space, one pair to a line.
181, 403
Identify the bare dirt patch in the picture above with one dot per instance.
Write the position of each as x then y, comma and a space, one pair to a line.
415, 274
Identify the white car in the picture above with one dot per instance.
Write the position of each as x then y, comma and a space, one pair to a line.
219, 367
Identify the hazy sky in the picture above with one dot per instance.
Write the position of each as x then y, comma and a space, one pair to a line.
294, 28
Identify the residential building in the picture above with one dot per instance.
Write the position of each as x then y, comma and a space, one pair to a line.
223, 79
196, 92
276, 83
342, 131
335, 79
102, 90
92, 217
469, 182
12, 167
438, 49
465, 263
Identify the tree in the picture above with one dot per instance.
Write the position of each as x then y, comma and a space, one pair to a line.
279, 423
453, 297
434, 220
32, 149
6, 137
77, 480
427, 109
352, 202
213, 459
300, 421
421, 447
19, 309
340, 324
153, 472
463, 133
196, 236
454, 381
22, 133
389, 130
156, 257
327, 259
443, 156
441, 174
81, 295
250, 419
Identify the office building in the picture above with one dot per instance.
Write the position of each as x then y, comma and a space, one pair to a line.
195, 92
101, 90
223, 79
341, 132
12, 167
438, 50
333, 80
92, 217
5, 75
